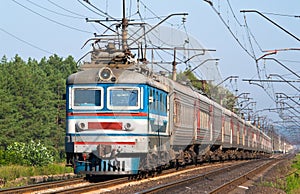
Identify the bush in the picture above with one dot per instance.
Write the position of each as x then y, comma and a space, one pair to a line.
2, 158
33, 154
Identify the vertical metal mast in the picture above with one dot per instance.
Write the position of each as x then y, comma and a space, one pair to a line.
124, 29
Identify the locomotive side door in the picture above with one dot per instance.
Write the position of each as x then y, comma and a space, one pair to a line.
158, 119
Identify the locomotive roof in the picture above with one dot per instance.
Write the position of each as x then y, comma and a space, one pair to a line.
91, 76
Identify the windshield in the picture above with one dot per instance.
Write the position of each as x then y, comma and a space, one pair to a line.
123, 98
87, 98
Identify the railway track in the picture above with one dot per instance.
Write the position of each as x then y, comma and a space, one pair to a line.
208, 173
92, 187
108, 186
124, 182
43, 186
215, 181
229, 186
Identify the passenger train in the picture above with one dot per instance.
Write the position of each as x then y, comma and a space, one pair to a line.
123, 119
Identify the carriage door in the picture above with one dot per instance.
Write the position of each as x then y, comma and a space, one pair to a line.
157, 115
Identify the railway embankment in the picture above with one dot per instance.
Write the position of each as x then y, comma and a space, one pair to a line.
281, 178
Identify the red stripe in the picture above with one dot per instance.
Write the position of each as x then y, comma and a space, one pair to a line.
105, 125
104, 143
107, 114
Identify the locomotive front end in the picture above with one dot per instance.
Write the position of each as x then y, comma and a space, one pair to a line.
106, 122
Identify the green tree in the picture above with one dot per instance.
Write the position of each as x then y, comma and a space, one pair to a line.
218, 94
32, 106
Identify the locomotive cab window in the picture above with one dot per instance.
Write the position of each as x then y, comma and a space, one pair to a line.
124, 98
87, 98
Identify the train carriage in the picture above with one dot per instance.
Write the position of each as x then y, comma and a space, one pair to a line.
184, 117
119, 125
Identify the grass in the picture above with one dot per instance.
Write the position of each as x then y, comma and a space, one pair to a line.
288, 178
293, 180
278, 183
15, 175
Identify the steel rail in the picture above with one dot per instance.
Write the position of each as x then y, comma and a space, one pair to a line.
41, 186
164, 187
229, 186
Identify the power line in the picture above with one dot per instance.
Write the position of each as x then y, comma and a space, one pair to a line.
28, 43
229, 29
249, 37
80, 16
232, 12
152, 12
103, 13
53, 11
290, 61
70, 27
66, 9
284, 15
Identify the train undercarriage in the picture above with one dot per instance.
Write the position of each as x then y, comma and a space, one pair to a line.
195, 154
155, 161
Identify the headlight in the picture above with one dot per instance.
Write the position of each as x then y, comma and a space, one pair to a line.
81, 126
128, 127
105, 74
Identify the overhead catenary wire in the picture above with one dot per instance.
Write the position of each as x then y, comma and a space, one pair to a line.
102, 13
283, 15
152, 12
26, 42
256, 62
55, 12
230, 30
250, 53
290, 61
251, 38
234, 16
67, 10
49, 19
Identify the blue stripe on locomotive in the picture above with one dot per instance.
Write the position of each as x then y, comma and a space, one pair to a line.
116, 134
107, 117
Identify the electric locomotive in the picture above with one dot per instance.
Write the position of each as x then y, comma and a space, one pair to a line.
116, 115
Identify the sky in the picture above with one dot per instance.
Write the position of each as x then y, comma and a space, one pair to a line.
37, 29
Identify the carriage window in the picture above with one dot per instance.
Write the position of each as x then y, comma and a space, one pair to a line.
87, 98
123, 98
